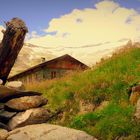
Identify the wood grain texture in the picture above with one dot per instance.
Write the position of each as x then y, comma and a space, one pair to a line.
11, 45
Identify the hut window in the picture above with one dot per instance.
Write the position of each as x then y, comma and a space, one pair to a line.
53, 74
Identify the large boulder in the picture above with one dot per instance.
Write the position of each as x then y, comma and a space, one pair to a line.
48, 132
137, 113
25, 103
31, 116
18, 85
9, 93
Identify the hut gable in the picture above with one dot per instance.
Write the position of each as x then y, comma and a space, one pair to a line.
65, 62
50, 69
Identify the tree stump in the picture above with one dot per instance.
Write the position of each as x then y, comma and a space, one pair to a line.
11, 45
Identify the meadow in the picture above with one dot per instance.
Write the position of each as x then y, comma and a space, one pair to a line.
108, 81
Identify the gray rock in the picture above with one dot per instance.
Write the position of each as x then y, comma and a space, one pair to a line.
31, 116
3, 134
137, 112
5, 116
9, 93
27, 102
4, 126
18, 85
48, 132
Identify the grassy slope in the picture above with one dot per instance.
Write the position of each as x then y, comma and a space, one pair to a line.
109, 80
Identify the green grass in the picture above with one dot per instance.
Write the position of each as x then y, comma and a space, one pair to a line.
109, 123
109, 80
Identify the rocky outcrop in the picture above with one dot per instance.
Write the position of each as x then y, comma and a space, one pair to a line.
47, 132
32, 116
27, 102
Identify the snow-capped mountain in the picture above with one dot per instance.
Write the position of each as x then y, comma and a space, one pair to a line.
29, 56
88, 54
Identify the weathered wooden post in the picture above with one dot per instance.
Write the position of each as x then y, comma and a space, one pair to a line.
11, 44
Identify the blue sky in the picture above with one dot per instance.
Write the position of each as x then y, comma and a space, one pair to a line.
38, 13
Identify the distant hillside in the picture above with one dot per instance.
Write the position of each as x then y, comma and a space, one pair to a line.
102, 92
29, 56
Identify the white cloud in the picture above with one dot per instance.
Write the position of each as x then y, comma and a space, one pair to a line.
107, 22
33, 34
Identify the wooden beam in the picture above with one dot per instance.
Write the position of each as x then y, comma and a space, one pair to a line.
11, 45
